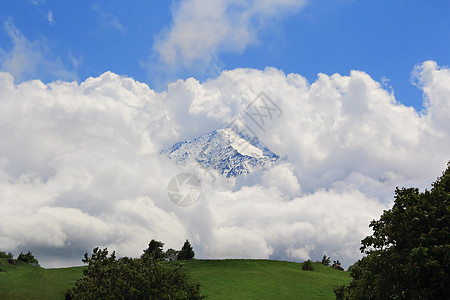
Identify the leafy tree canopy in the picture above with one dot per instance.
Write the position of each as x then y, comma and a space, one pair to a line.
408, 254
27, 257
307, 265
154, 250
171, 254
186, 252
6, 255
107, 277
326, 260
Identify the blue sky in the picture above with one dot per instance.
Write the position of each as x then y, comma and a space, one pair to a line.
385, 39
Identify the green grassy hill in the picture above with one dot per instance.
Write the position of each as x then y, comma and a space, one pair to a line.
264, 279
219, 279
23, 281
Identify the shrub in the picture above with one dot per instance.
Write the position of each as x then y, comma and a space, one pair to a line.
171, 254
337, 265
326, 260
4, 255
307, 265
339, 292
28, 258
109, 278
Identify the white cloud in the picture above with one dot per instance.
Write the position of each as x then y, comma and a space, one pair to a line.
108, 20
80, 164
31, 59
37, 2
50, 17
201, 30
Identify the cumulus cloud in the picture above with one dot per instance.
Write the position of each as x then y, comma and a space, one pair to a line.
201, 30
28, 59
80, 164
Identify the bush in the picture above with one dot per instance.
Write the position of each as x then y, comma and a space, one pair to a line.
326, 260
339, 292
109, 278
337, 265
28, 258
171, 254
12, 261
307, 265
4, 255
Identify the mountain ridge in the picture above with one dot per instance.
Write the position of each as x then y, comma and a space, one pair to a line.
232, 153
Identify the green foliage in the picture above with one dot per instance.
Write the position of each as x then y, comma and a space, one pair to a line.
326, 260
408, 254
171, 254
109, 278
186, 252
307, 265
339, 291
154, 250
337, 265
5, 255
28, 258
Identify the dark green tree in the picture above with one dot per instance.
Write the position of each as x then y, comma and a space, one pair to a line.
28, 258
307, 265
186, 252
337, 265
326, 260
6, 255
154, 250
408, 254
107, 277
171, 254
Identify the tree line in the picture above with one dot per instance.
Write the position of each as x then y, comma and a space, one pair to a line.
24, 257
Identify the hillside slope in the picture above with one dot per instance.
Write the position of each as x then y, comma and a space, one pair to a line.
264, 279
23, 281
219, 279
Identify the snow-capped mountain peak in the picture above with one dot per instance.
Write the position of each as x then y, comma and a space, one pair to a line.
231, 152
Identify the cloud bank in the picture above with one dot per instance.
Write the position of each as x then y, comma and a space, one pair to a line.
80, 164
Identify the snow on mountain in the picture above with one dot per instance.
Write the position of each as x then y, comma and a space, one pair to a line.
231, 152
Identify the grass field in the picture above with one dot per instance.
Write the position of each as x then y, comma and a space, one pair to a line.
23, 281
219, 279
264, 279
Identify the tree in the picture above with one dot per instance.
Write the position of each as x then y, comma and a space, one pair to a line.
154, 250
326, 260
6, 255
28, 258
408, 254
337, 265
307, 265
186, 252
171, 254
107, 277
